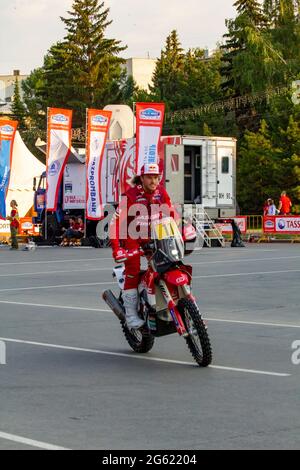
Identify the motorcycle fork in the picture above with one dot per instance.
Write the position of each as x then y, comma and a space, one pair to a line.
188, 295
173, 309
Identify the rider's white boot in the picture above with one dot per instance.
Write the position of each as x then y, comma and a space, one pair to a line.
130, 298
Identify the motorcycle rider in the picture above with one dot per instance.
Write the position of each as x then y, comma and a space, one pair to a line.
145, 193
146, 201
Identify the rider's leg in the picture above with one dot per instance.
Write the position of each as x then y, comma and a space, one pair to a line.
130, 298
130, 293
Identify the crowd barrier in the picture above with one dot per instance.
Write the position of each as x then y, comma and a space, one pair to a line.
264, 226
278, 224
226, 228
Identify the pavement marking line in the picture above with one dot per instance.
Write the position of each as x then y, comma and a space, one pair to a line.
60, 286
143, 358
62, 307
280, 325
55, 261
98, 310
55, 272
29, 442
247, 274
246, 259
105, 269
112, 282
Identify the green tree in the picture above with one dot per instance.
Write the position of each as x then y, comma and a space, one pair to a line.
131, 93
290, 174
285, 37
249, 59
33, 87
84, 70
200, 79
18, 109
259, 168
168, 72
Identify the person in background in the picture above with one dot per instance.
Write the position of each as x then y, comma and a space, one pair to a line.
69, 232
266, 207
77, 233
285, 204
79, 227
271, 208
14, 224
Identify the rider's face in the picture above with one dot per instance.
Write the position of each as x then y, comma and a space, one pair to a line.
150, 182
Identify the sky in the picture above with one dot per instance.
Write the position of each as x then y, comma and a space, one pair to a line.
29, 27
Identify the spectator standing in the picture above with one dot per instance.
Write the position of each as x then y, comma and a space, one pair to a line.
14, 224
266, 207
285, 204
271, 208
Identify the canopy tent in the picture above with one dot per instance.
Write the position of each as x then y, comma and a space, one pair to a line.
25, 166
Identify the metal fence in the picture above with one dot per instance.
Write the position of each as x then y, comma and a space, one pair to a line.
254, 223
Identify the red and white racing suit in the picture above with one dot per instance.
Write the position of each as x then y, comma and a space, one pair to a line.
135, 212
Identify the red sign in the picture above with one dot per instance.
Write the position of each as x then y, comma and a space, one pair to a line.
282, 224
226, 227
26, 226
59, 132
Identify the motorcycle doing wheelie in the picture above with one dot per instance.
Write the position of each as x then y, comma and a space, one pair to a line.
166, 302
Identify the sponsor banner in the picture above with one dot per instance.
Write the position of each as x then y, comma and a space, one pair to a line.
74, 186
40, 202
241, 223
4, 227
98, 122
282, 224
149, 122
7, 136
26, 226
58, 150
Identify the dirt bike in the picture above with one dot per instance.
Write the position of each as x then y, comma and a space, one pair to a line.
166, 302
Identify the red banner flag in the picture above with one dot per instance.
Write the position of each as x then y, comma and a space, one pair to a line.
149, 122
58, 149
98, 122
7, 135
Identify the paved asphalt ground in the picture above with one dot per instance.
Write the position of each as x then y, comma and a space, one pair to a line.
71, 380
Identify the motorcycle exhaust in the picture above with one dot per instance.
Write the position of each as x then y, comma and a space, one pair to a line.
111, 300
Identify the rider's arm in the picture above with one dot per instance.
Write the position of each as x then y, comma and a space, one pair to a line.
117, 222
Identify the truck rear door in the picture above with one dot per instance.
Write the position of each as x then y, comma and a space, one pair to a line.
225, 196
174, 172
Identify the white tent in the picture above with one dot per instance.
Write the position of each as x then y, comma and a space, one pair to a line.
25, 166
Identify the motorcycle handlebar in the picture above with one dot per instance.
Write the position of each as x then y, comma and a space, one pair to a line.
142, 251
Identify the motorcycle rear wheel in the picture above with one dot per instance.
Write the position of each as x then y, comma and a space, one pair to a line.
141, 341
198, 340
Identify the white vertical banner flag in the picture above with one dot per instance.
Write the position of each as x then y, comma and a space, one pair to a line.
149, 122
58, 149
98, 122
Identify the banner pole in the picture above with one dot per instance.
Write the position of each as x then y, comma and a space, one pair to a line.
47, 156
134, 135
86, 150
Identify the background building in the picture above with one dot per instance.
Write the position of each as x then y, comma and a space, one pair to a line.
141, 70
7, 84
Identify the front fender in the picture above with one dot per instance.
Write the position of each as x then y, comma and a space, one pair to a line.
176, 278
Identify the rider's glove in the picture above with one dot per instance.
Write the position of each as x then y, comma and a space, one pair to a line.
120, 255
